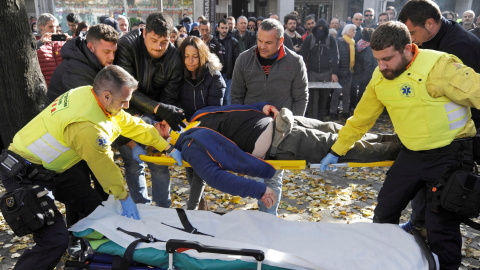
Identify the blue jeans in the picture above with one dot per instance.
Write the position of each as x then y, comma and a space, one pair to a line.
137, 184
275, 183
227, 96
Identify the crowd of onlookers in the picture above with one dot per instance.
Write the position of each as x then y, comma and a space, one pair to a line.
336, 51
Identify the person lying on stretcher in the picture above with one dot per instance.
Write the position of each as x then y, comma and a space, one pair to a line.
238, 137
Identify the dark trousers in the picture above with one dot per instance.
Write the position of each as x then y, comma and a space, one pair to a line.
197, 185
72, 189
412, 171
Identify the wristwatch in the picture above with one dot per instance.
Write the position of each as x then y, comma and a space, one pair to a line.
169, 150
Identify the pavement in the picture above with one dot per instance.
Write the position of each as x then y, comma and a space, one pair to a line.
345, 196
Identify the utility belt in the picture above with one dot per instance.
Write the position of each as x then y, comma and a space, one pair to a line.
458, 189
22, 170
26, 209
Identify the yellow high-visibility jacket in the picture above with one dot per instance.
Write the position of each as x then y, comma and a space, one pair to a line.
75, 127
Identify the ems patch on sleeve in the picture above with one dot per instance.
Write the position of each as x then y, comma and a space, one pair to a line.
102, 142
458, 65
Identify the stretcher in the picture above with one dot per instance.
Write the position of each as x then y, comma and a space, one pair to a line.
276, 243
278, 164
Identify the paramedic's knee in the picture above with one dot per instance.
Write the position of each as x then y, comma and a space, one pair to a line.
54, 237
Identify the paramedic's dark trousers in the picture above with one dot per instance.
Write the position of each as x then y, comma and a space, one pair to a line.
409, 174
72, 189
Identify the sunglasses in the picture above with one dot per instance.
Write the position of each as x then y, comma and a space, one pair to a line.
368, 15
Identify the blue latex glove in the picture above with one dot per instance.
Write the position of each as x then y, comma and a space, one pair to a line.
328, 159
130, 208
136, 151
177, 155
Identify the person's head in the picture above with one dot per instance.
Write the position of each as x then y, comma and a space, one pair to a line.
367, 34
141, 24
182, 31
201, 18
309, 23
467, 17
357, 19
222, 28
194, 27
259, 21
332, 32
422, 18
392, 48
449, 15
321, 29
81, 27
114, 87
242, 24
290, 21
73, 19
59, 30
478, 21
383, 18
47, 23
174, 35
231, 23
392, 12
269, 38
194, 53
274, 16
102, 42
205, 29
252, 24
335, 24
157, 34
369, 15
349, 30
33, 26
123, 23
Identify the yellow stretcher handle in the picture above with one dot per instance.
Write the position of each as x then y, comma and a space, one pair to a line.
385, 163
278, 164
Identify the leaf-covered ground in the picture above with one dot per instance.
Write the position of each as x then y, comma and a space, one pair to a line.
347, 195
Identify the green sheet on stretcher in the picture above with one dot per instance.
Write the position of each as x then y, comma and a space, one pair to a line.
159, 258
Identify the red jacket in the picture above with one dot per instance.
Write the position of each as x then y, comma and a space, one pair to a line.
49, 58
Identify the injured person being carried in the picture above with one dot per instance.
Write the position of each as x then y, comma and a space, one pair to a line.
238, 137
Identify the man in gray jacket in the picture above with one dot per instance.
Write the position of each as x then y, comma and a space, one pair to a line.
272, 73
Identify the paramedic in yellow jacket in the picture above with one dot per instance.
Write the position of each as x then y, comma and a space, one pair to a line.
427, 95
80, 124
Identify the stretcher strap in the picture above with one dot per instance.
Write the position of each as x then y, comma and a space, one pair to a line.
128, 255
187, 226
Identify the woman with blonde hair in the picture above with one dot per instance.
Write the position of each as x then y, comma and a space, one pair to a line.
202, 86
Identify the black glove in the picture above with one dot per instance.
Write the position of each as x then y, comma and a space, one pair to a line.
173, 115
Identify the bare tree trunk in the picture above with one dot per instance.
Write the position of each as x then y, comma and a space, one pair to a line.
22, 86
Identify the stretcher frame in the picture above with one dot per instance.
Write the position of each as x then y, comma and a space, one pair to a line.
278, 164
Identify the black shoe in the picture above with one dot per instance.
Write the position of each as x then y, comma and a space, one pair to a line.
346, 115
334, 116
74, 246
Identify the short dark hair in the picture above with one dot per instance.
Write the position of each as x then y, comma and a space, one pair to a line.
205, 22
224, 21
73, 18
389, 34
102, 31
289, 17
367, 34
384, 14
160, 23
113, 79
419, 11
308, 18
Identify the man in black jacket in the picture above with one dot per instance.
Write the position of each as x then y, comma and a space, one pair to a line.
246, 38
232, 51
320, 53
153, 60
83, 57
211, 41
431, 31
